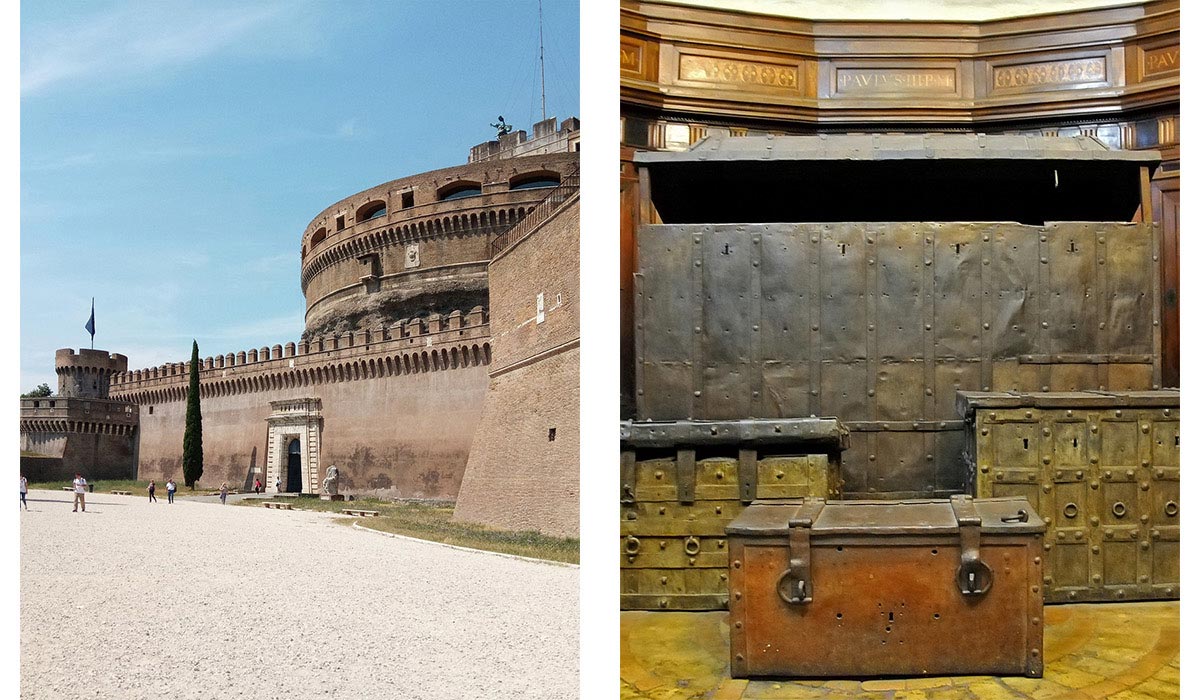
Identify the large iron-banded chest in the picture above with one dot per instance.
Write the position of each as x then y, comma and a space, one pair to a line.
871, 277
911, 588
1102, 469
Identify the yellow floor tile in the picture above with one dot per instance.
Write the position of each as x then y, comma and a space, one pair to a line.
1120, 651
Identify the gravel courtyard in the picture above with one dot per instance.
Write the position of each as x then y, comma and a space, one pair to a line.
199, 600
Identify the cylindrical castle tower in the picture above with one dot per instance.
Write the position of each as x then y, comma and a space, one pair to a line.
418, 245
86, 374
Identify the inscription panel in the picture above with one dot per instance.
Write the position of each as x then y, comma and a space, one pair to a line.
728, 72
894, 82
1050, 75
1160, 61
631, 56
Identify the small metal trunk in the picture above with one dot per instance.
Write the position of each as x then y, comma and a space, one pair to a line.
868, 588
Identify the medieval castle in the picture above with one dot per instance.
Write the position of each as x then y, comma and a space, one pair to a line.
440, 355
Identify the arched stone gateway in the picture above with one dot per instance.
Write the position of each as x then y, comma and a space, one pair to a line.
294, 446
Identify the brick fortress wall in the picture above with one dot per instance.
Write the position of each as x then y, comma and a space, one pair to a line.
517, 478
399, 405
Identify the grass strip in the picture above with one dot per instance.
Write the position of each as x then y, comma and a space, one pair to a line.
431, 520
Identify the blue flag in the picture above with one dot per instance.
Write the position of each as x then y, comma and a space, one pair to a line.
91, 324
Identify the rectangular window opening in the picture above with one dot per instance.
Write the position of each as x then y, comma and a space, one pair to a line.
553, 434
341, 222
406, 200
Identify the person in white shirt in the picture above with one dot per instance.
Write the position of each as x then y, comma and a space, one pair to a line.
80, 489
24, 490
170, 490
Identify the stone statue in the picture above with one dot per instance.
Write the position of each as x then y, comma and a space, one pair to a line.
330, 485
501, 128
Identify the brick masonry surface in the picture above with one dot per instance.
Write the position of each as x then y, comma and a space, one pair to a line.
517, 477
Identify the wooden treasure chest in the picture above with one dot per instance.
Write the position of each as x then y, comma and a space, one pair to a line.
866, 588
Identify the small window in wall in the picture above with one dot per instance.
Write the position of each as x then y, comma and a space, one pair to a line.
151, 410
459, 190
370, 210
532, 181
406, 200
341, 222
319, 236
553, 434
51, 404
37, 404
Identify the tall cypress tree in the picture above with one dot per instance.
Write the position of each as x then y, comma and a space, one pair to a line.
193, 449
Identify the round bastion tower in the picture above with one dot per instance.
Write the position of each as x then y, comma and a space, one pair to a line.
86, 374
420, 245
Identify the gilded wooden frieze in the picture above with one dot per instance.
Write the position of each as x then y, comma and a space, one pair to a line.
1050, 75
729, 72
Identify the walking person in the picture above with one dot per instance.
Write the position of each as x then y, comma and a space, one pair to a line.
170, 490
24, 490
224, 492
257, 486
278, 483
80, 489
150, 488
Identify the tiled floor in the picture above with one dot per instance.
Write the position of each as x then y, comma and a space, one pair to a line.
1123, 651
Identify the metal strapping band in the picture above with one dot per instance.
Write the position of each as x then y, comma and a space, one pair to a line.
628, 474
685, 475
748, 474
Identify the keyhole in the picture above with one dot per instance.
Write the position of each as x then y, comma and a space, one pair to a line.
843, 247
1026, 442
891, 617
1074, 442
957, 248
1177, 441
726, 251
1072, 247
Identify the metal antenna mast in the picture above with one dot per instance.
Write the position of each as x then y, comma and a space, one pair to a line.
542, 59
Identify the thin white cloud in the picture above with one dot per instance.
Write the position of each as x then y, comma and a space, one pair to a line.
147, 38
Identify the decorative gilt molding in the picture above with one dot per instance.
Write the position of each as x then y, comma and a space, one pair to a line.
1050, 75
723, 71
747, 67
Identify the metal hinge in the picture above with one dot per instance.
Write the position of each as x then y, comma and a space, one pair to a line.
795, 585
974, 575
628, 475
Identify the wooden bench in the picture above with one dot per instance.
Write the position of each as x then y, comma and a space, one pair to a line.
68, 488
121, 493
362, 513
279, 506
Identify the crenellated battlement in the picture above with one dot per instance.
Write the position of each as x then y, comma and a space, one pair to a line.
433, 343
87, 373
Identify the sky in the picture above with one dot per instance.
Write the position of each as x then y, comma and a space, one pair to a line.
172, 153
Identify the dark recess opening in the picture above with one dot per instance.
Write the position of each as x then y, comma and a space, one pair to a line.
294, 481
1026, 191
